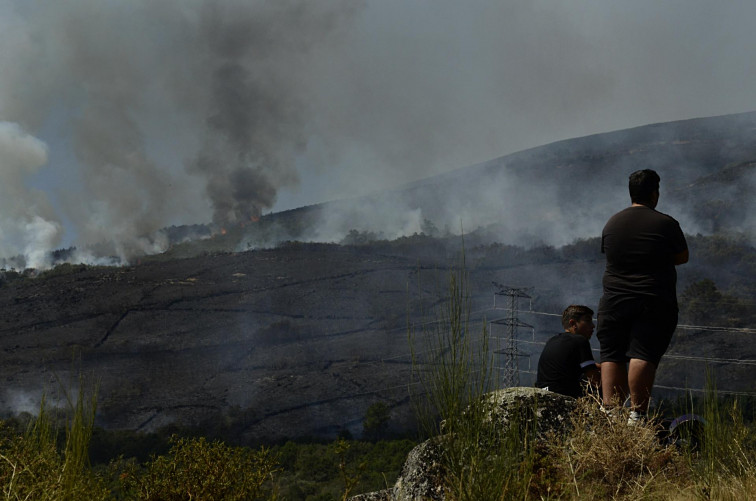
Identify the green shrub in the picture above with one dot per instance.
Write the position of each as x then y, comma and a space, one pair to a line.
376, 421
33, 466
480, 460
322, 470
197, 469
725, 468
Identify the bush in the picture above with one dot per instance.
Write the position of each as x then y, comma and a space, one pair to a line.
478, 458
33, 466
726, 465
326, 470
197, 469
376, 421
605, 458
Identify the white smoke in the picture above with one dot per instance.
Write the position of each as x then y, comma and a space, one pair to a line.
174, 111
18, 401
27, 223
42, 236
161, 112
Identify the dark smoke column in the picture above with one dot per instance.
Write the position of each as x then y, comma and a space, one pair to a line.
255, 125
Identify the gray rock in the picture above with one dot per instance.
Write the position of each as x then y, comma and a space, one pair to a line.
421, 478
384, 495
550, 411
422, 474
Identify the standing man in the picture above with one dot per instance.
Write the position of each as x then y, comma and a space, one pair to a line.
566, 361
638, 311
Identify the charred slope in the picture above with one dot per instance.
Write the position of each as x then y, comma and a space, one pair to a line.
301, 339
551, 194
557, 192
279, 337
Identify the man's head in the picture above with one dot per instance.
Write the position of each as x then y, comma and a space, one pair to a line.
578, 319
644, 187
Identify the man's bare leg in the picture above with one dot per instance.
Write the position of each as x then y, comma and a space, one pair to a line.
641, 375
614, 385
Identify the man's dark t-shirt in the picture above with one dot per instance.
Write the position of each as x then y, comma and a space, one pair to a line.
639, 244
563, 362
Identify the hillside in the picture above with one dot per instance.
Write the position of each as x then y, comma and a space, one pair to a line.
556, 193
299, 339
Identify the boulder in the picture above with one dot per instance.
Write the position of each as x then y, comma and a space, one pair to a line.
384, 495
422, 475
550, 411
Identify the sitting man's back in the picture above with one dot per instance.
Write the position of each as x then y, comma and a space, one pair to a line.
566, 361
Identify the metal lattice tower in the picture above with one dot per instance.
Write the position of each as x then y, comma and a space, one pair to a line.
511, 367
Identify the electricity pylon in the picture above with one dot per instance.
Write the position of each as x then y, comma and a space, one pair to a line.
511, 368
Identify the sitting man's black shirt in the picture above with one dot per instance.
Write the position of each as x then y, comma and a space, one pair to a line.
563, 363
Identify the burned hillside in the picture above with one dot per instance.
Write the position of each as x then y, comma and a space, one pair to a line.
295, 324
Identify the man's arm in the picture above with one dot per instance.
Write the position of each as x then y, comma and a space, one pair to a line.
593, 376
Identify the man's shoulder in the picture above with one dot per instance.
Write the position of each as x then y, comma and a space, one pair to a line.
566, 338
666, 217
634, 216
622, 218
578, 339
621, 214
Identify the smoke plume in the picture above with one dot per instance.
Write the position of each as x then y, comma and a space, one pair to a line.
174, 110
29, 228
162, 112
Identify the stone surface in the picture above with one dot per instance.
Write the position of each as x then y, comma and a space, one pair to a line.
551, 409
384, 495
422, 475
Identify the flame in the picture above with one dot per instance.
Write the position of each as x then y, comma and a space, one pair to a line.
252, 220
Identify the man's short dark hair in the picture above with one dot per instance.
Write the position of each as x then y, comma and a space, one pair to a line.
642, 185
575, 312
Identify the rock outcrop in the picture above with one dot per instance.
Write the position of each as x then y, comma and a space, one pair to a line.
551, 409
422, 475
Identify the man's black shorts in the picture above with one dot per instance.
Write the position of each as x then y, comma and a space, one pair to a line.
635, 328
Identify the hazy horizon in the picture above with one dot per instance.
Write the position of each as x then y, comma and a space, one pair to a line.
120, 118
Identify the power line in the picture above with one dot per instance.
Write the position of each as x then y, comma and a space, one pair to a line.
713, 328
743, 330
734, 361
702, 390
660, 386
514, 310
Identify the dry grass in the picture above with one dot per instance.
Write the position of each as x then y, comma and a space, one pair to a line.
604, 458
726, 466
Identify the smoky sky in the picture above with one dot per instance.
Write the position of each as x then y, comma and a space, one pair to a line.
122, 117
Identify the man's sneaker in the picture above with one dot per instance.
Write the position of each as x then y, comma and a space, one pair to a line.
610, 412
636, 418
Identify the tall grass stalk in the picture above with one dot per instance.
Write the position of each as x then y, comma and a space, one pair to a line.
481, 461
79, 426
33, 466
726, 464
457, 367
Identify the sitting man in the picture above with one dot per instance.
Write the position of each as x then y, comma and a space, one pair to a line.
566, 360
